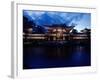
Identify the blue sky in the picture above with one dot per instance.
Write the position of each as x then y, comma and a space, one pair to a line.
80, 20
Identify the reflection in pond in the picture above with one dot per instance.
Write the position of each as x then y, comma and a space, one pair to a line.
56, 56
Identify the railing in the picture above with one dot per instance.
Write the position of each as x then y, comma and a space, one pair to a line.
54, 36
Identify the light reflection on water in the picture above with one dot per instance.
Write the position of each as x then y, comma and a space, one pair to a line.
56, 56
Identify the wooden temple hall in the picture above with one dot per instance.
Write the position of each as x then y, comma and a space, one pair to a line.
58, 33
55, 32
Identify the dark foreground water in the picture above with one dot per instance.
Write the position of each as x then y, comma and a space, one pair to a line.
53, 56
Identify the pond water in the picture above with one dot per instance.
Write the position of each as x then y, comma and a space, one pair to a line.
35, 57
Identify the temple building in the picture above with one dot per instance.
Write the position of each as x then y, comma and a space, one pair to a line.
58, 32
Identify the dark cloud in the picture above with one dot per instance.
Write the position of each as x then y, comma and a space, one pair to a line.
47, 18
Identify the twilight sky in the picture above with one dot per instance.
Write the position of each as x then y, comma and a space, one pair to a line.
80, 20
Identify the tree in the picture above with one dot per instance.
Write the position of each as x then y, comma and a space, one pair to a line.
74, 31
27, 24
86, 31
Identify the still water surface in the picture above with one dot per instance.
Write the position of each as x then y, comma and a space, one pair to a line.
56, 56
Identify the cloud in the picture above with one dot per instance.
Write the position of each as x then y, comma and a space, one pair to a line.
51, 17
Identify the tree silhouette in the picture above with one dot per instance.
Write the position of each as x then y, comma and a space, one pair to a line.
86, 31
74, 31
27, 24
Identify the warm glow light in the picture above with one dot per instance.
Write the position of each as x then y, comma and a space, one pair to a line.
60, 30
30, 30
54, 30
64, 30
